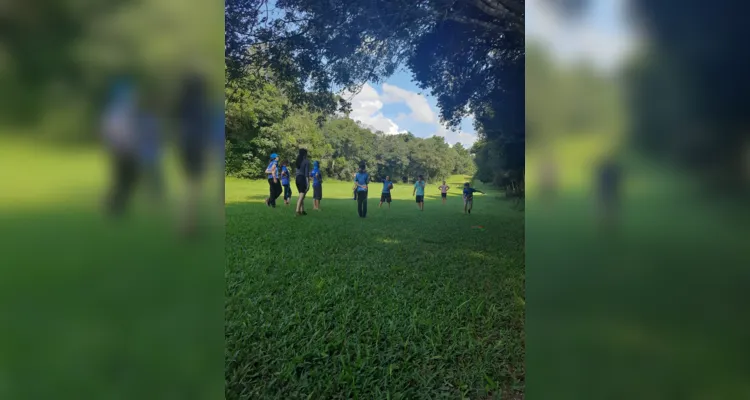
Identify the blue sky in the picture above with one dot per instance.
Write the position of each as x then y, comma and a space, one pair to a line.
603, 36
398, 105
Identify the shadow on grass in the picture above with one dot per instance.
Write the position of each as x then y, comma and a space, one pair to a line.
402, 303
639, 313
102, 308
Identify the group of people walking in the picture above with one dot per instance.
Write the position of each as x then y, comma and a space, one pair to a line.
279, 177
134, 129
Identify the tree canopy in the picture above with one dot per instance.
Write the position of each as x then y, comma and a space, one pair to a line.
58, 57
469, 54
685, 88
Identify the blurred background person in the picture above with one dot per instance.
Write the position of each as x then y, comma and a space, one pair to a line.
194, 128
119, 129
608, 192
217, 147
151, 144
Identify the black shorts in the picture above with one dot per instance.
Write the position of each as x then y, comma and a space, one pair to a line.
420, 199
301, 182
385, 197
444, 195
318, 192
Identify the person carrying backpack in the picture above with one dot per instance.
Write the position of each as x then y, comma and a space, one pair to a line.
362, 179
274, 183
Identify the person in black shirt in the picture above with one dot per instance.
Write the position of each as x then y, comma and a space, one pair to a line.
302, 180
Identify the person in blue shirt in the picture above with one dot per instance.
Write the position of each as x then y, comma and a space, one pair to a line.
354, 189
285, 178
150, 146
120, 135
419, 191
386, 195
362, 179
317, 178
469, 197
274, 184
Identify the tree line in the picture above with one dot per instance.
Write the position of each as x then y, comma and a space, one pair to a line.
260, 120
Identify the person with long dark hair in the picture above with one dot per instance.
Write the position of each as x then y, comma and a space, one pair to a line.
302, 180
362, 179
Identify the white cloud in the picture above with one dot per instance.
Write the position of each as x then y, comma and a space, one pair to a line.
603, 38
420, 108
466, 139
366, 109
367, 106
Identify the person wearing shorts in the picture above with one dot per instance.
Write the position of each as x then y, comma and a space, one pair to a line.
419, 192
317, 178
285, 175
385, 197
302, 180
274, 183
444, 191
469, 197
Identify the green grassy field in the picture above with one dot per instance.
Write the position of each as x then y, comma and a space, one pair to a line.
652, 310
91, 307
401, 305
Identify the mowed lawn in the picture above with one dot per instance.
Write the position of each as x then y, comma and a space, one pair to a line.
87, 305
401, 305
